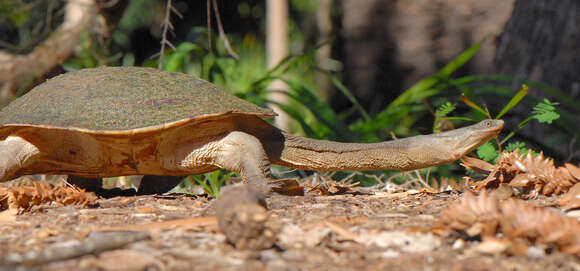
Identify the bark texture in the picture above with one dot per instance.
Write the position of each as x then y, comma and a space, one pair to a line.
389, 45
541, 42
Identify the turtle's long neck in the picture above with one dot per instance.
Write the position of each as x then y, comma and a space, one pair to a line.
402, 154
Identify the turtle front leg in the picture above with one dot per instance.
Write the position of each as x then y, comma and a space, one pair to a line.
238, 152
15, 154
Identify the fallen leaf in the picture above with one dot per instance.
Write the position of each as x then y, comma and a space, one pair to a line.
571, 200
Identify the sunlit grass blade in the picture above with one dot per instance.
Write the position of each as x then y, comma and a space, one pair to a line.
460, 60
514, 101
346, 92
517, 129
294, 114
423, 89
473, 105
560, 95
320, 109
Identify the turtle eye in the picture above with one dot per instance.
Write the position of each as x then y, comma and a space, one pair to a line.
487, 123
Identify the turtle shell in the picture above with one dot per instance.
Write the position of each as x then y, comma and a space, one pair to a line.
121, 99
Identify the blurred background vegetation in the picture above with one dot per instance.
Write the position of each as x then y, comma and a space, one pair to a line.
356, 71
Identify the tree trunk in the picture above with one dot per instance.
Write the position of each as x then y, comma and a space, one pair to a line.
277, 49
540, 42
324, 24
389, 45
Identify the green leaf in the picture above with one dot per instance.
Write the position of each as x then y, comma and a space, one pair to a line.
346, 92
444, 109
202, 183
180, 56
512, 146
460, 60
294, 113
545, 112
517, 129
321, 110
514, 101
487, 152
473, 105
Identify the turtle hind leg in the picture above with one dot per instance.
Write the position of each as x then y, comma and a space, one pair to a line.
237, 151
16, 154
152, 184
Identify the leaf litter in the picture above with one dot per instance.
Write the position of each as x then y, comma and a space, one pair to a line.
323, 229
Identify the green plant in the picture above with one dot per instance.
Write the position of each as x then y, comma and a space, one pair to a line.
212, 181
543, 112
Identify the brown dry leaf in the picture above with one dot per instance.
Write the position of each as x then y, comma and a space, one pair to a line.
326, 186
473, 213
573, 170
571, 200
477, 165
515, 219
25, 197
445, 184
534, 175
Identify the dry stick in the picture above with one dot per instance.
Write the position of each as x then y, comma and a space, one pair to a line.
98, 243
166, 25
223, 36
209, 24
16, 69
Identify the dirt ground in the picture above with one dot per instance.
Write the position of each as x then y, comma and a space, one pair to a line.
353, 231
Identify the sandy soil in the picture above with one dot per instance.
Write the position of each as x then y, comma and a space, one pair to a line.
341, 232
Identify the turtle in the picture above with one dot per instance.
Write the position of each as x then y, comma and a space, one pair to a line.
115, 121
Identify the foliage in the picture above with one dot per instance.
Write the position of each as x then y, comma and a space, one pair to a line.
487, 152
249, 79
21, 29
543, 112
212, 181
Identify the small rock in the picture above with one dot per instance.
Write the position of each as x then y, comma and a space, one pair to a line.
535, 252
292, 236
458, 244
390, 253
491, 247
407, 242
244, 219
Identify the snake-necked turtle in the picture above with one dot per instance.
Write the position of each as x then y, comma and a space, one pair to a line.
115, 121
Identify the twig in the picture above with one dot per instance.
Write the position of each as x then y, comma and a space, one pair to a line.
96, 243
209, 24
420, 179
16, 69
223, 36
166, 26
